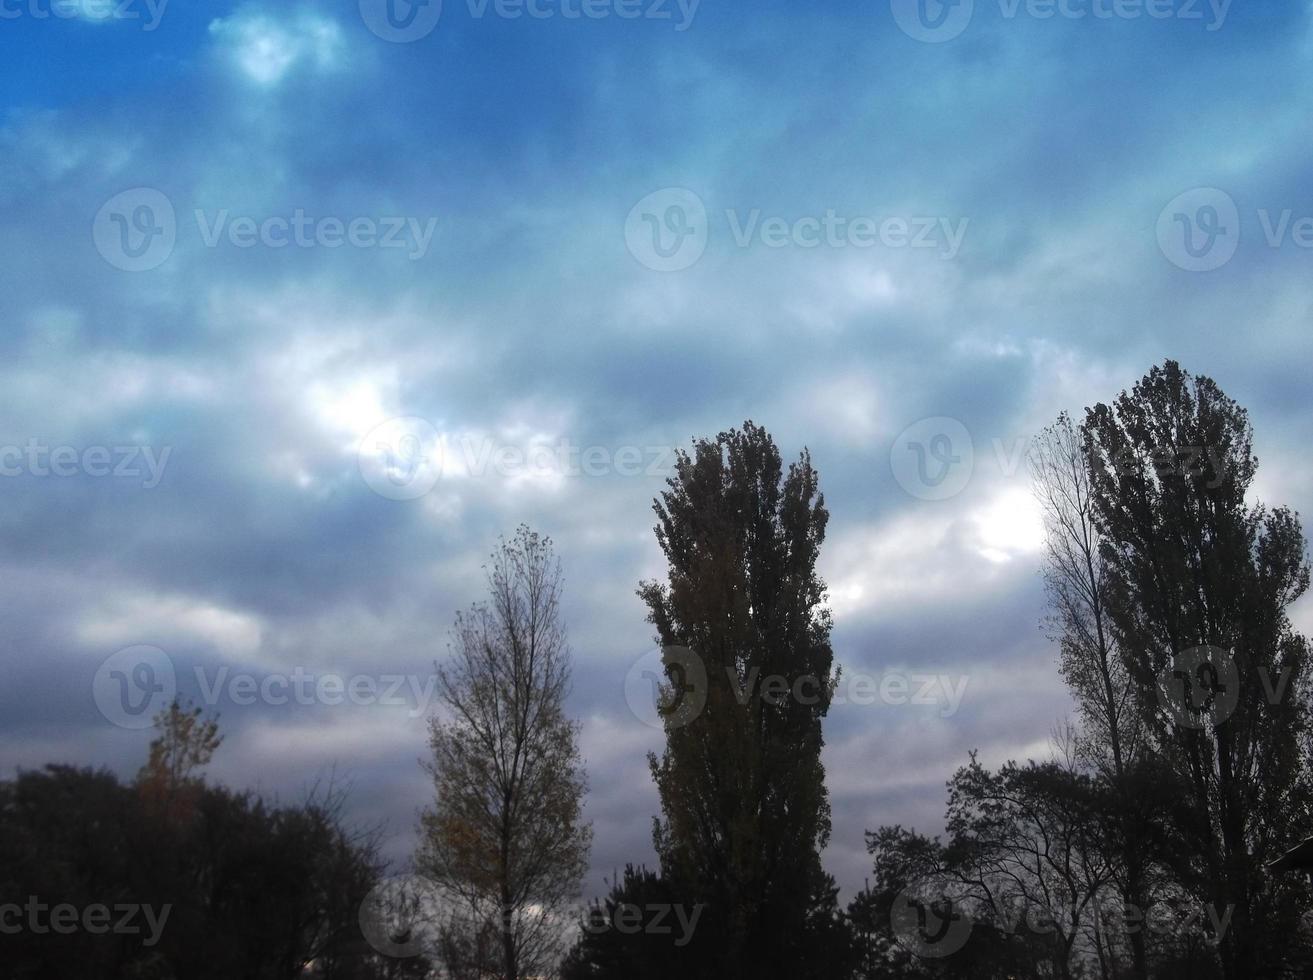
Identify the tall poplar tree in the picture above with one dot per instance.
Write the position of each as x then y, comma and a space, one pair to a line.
742, 788
1200, 581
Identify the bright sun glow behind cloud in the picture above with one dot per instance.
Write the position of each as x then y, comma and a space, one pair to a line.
351, 409
1010, 525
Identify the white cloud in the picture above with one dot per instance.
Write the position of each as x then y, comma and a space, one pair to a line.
168, 621
845, 406
930, 554
901, 561
265, 48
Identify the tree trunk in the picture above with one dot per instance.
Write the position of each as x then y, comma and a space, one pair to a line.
510, 969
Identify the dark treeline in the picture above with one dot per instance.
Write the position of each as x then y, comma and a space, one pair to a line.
197, 881
1141, 847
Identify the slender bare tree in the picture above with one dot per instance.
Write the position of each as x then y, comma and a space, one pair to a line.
1075, 577
505, 840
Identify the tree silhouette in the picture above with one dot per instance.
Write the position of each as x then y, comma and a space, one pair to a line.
504, 838
742, 788
236, 886
1112, 738
1200, 582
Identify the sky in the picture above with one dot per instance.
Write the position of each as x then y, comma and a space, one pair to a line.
305, 304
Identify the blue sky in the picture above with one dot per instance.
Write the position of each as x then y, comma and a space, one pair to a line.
869, 230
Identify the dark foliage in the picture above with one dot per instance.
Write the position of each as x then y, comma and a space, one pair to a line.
239, 888
742, 787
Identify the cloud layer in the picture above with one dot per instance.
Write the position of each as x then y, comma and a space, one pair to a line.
271, 330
